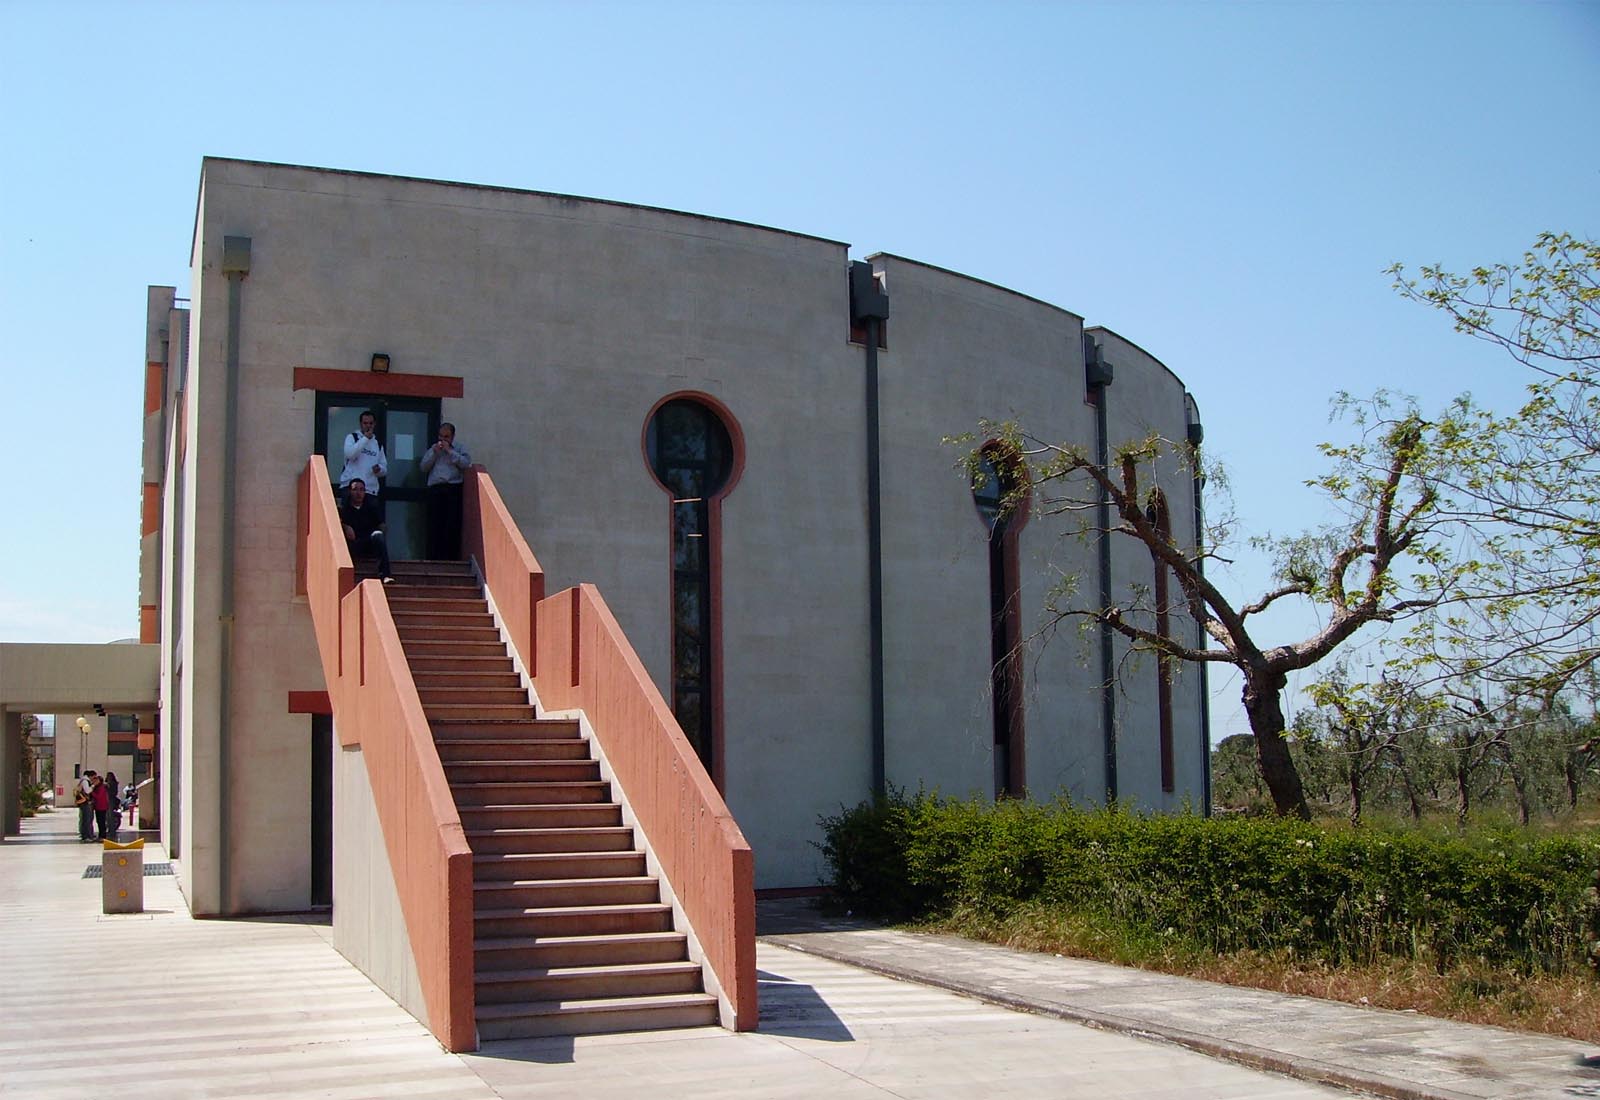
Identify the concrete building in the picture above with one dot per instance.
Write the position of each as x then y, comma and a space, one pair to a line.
98, 682
673, 408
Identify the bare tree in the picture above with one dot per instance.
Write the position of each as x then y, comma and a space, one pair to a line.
1350, 570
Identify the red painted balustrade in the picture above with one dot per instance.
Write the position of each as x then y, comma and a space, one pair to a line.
375, 705
579, 659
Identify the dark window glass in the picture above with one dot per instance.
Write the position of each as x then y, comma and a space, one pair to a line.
692, 455
995, 497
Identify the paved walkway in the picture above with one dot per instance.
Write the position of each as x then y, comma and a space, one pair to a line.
160, 1005
1385, 1053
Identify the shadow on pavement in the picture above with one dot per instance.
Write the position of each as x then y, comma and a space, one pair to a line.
548, 1050
795, 1009
797, 916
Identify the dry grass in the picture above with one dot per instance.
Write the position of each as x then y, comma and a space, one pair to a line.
1565, 1005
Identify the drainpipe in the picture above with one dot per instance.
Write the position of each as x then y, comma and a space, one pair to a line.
869, 306
1197, 435
235, 265
1097, 379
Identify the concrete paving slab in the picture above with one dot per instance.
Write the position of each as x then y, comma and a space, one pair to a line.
162, 1005
1395, 1054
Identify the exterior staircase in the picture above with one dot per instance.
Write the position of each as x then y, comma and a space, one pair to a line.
571, 934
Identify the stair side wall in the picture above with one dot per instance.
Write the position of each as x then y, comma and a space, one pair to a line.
369, 927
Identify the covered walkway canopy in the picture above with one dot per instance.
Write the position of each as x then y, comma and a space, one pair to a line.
56, 678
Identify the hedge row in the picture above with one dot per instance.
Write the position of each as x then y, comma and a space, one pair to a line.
1508, 898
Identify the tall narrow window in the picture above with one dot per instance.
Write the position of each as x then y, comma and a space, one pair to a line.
1001, 499
1161, 520
694, 456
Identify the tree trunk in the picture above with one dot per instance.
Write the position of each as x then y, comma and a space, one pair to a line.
1263, 706
1410, 787
1519, 783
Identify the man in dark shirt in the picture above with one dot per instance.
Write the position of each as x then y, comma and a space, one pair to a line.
363, 526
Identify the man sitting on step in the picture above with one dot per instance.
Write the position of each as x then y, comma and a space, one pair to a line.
364, 527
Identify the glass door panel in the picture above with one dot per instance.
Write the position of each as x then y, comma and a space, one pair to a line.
407, 426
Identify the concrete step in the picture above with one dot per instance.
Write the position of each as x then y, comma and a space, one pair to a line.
403, 600
522, 922
466, 696
598, 1016
469, 773
472, 663
450, 713
543, 952
579, 815
529, 793
592, 838
431, 567
454, 647
463, 750
567, 983
523, 729
444, 586
517, 866
558, 892
416, 633
496, 679
409, 621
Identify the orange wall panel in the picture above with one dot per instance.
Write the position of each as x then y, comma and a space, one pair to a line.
155, 377
150, 509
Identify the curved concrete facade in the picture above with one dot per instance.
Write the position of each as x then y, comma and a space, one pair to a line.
566, 321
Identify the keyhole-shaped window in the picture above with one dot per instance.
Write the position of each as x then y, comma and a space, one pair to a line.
693, 456
999, 493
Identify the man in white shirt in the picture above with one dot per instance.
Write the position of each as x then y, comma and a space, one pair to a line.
363, 456
83, 795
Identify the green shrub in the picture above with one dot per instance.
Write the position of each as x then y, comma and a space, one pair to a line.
1338, 895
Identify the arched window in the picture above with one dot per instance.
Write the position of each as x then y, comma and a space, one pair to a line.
1161, 519
1002, 501
695, 457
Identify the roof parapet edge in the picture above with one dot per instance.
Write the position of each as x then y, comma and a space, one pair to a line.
205, 160
974, 279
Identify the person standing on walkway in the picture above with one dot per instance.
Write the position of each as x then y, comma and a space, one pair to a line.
114, 809
445, 464
101, 798
83, 798
364, 527
364, 459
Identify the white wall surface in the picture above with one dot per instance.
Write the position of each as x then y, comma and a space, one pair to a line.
369, 927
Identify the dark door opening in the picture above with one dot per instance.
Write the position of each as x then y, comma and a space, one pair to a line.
321, 809
407, 427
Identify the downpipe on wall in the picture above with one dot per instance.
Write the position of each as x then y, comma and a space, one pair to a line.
236, 266
1197, 434
869, 306
1098, 375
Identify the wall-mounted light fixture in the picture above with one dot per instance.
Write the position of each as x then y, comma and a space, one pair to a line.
380, 363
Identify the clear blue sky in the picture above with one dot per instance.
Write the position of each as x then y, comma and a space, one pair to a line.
1223, 183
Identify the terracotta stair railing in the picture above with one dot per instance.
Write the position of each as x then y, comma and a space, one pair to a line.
571, 932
